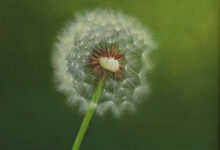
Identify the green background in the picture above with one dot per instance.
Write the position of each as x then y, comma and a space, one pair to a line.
181, 113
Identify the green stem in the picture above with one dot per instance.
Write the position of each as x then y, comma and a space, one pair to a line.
88, 116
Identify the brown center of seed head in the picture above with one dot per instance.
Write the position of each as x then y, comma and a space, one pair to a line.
104, 62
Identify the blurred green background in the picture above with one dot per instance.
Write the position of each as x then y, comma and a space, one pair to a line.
181, 113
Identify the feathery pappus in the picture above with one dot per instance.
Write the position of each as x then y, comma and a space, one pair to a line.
103, 44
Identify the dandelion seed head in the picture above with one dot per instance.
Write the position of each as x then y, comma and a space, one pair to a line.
126, 46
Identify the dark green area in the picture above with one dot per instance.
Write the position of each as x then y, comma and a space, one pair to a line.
181, 113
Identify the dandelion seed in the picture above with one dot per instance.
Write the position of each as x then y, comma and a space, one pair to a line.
108, 47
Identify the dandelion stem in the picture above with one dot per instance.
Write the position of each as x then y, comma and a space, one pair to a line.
88, 116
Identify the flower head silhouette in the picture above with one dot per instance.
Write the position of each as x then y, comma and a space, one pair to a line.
108, 45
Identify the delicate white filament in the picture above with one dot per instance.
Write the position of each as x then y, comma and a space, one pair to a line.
110, 64
101, 29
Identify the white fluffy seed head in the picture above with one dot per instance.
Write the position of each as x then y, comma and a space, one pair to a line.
110, 64
78, 41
